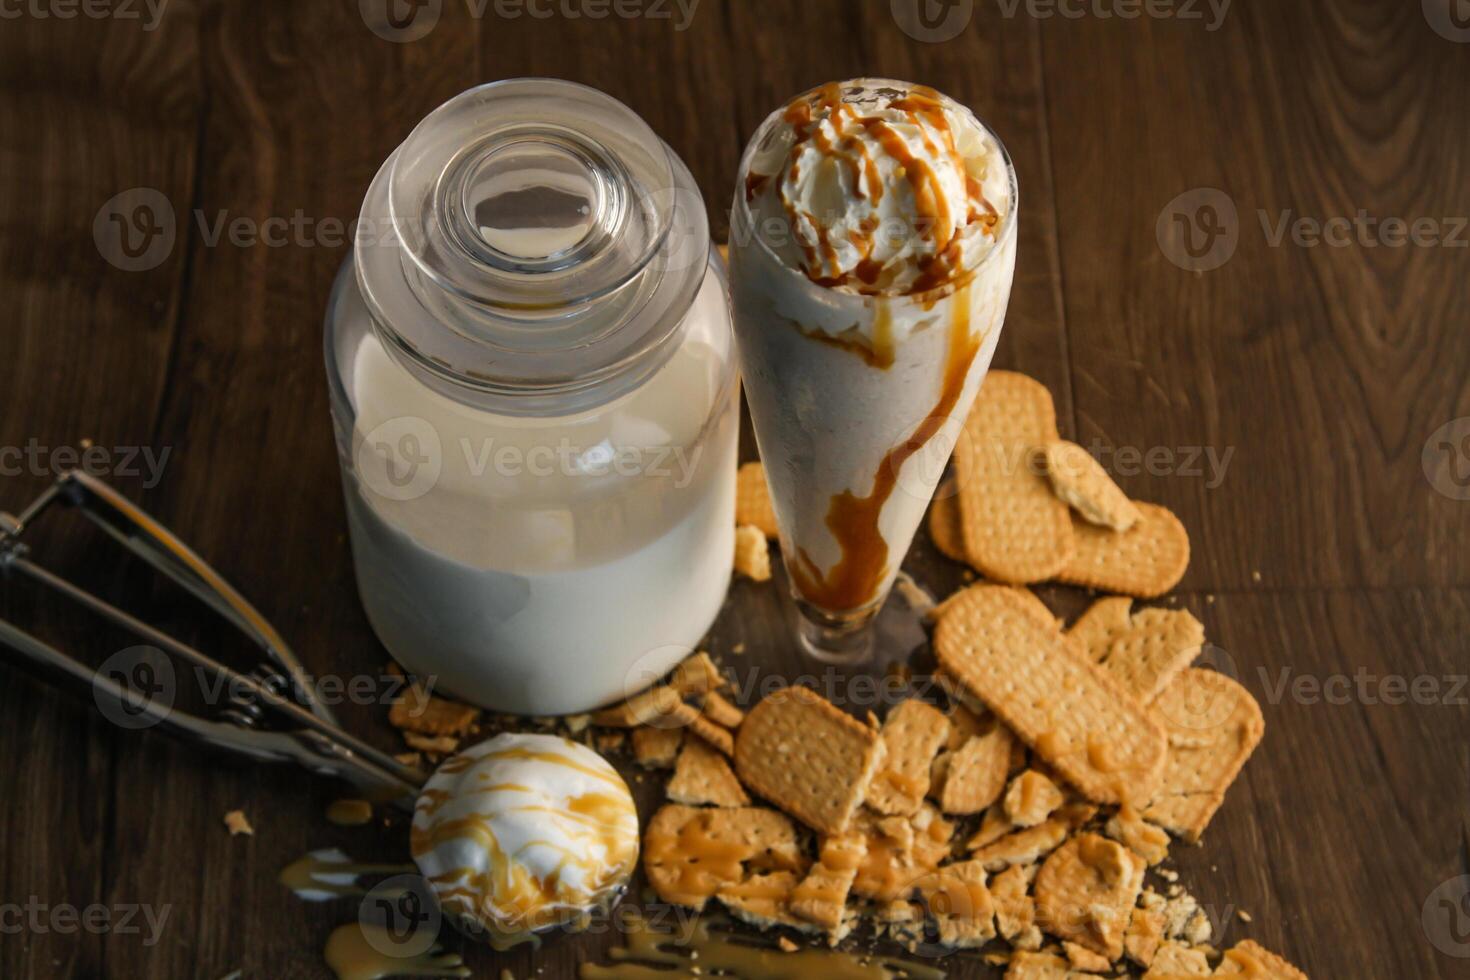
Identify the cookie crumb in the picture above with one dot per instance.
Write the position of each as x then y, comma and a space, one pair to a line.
752, 556
237, 823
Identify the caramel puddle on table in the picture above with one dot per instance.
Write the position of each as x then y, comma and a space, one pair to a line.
327, 874
354, 952
650, 954
350, 813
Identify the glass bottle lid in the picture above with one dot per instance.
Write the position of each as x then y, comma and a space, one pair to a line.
531, 244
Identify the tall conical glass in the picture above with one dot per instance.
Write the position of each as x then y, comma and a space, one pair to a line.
855, 426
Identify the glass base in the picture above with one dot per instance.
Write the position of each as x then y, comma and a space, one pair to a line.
846, 642
890, 631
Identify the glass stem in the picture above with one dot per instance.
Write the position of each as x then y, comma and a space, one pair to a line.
835, 641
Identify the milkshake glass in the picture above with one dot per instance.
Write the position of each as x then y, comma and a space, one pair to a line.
873, 243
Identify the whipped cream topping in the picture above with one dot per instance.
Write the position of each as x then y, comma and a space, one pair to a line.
523, 832
885, 189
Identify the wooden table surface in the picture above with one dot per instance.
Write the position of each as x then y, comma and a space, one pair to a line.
1288, 404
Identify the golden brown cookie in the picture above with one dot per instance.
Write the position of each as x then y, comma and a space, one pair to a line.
753, 500
976, 772
911, 734
656, 748
807, 757
1082, 483
1251, 959
1086, 891
1066, 708
1145, 561
1104, 621
703, 776
690, 852
1213, 724
1155, 647
944, 523
1015, 529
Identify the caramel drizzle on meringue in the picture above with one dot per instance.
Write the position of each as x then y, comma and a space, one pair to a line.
506, 892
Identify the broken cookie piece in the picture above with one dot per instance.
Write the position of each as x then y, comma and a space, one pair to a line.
821, 897
752, 556
656, 748
689, 853
703, 776
1213, 724
1250, 959
1086, 891
1031, 798
960, 904
912, 734
1150, 653
807, 757
1080, 481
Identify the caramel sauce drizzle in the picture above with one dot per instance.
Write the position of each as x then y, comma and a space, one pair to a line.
652, 954
462, 763
703, 861
935, 219
520, 897
854, 580
350, 813
311, 873
353, 954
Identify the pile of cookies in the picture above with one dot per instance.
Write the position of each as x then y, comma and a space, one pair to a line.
1034, 807
1026, 506
948, 827
1029, 811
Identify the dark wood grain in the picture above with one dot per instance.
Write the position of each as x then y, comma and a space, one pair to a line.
1323, 369
89, 111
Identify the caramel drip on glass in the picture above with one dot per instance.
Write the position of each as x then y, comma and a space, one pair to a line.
854, 581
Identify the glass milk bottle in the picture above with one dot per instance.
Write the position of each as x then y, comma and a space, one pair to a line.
532, 376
